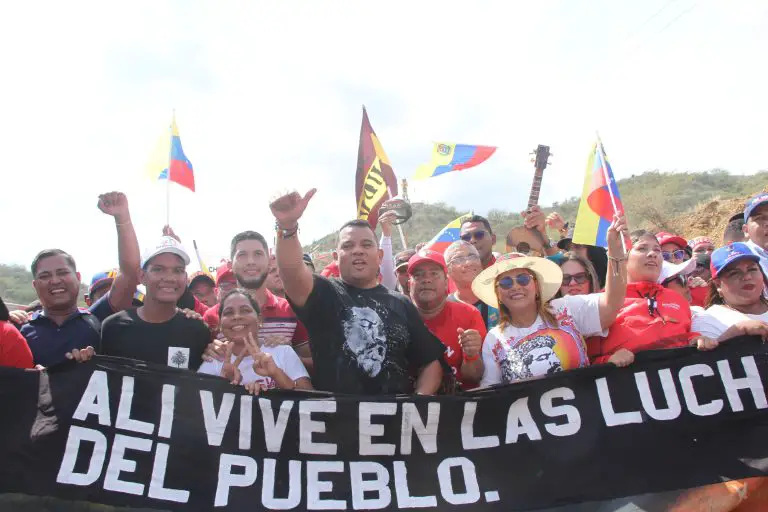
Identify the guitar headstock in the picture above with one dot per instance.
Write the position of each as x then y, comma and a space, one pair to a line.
542, 157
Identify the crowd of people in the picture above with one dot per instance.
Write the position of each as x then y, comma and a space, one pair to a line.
415, 322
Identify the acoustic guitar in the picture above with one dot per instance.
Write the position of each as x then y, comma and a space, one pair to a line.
522, 239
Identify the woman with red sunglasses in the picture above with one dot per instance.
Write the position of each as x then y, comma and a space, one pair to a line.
536, 336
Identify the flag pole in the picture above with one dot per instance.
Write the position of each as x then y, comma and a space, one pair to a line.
607, 177
168, 178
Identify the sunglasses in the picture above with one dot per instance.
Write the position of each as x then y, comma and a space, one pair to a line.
676, 255
675, 279
505, 283
580, 278
477, 235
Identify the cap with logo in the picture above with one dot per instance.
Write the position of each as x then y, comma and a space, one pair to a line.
102, 279
166, 244
700, 240
732, 253
426, 255
754, 202
200, 276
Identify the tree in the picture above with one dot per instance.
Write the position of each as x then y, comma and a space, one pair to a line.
179, 359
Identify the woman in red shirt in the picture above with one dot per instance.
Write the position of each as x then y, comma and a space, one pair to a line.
14, 350
652, 316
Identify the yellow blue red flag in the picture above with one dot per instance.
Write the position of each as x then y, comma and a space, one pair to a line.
453, 157
168, 160
446, 236
600, 201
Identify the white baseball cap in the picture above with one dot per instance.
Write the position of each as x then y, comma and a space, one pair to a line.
166, 244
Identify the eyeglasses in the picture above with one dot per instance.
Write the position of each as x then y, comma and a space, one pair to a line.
459, 260
675, 279
674, 255
477, 235
580, 278
505, 283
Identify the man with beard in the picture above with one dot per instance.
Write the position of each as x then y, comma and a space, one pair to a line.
366, 338
61, 326
250, 264
459, 326
158, 332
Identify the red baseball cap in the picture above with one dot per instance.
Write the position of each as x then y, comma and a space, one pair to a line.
668, 238
426, 255
224, 271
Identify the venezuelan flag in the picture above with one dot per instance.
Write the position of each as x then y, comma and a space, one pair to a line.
453, 157
600, 201
446, 236
169, 156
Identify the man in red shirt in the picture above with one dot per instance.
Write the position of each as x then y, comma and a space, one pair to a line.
459, 326
250, 266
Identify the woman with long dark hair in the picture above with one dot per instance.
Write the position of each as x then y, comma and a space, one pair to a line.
579, 276
736, 303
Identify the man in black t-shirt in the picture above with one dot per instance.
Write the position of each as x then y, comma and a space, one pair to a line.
369, 339
158, 332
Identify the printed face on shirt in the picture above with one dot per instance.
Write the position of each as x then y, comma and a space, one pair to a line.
238, 318
56, 283
165, 277
518, 297
366, 339
757, 226
481, 238
533, 357
205, 292
429, 285
573, 272
250, 264
741, 283
644, 260
359, 256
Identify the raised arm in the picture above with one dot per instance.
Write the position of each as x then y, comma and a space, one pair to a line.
387, 268
115, 204
616, 279
297, 278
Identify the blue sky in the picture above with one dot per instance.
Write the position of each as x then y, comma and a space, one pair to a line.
268, 98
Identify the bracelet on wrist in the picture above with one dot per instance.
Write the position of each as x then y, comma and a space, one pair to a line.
469, 359
286, 233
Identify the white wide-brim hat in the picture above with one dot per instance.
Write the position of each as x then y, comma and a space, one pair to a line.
547, 272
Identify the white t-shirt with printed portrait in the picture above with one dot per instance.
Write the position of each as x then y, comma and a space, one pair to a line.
515, 353
284, 356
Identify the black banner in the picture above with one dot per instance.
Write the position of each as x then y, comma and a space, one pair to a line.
130, 434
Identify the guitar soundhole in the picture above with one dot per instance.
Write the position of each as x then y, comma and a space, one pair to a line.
523, 247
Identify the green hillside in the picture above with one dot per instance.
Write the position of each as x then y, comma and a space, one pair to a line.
650, 199
16, 285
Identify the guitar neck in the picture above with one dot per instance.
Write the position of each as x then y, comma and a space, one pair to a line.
533, 199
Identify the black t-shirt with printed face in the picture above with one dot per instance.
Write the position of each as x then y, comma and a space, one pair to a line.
365, 341
179, 342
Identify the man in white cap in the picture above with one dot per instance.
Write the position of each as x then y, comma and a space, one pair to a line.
158, 332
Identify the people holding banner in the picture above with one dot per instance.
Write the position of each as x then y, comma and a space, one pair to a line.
61, 326
159, 332
368, 338
247, 360
736, 303
652, 316
536, 337
459, 326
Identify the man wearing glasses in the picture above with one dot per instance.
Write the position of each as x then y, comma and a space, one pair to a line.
477, 231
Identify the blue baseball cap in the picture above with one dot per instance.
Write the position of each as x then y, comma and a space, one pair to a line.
754, 202
102, 279
732, 253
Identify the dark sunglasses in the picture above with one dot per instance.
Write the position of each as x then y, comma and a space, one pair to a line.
477, 235
675, 279
580, 278
505, 283
669, 256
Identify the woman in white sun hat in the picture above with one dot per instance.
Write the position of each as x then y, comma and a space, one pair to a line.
536, 336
